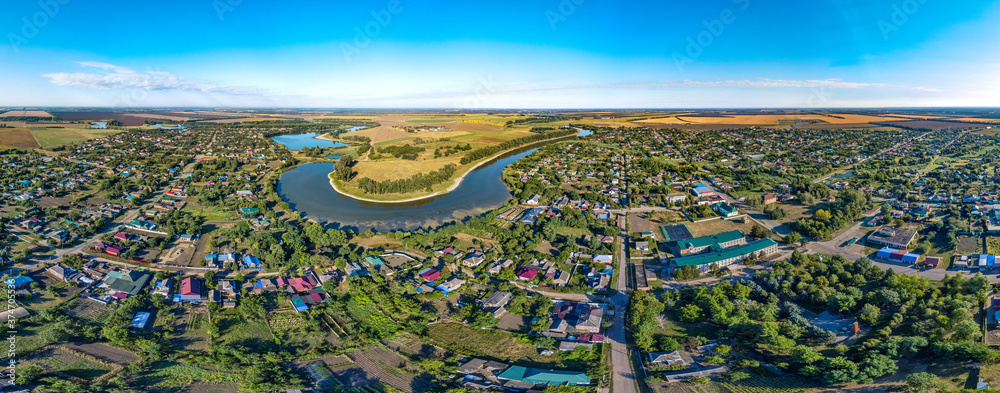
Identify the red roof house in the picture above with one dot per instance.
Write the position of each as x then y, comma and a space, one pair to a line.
431, 275
527, 273
190, 289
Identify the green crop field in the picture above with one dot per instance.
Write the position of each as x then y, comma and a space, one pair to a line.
48, 137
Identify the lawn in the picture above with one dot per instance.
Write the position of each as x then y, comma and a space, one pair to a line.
712, 227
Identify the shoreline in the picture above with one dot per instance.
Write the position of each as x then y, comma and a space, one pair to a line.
451, 188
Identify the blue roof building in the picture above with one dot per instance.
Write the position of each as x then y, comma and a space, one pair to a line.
251, 262
19, 281
140, 319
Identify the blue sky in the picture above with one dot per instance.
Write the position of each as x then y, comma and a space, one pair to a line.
512, 54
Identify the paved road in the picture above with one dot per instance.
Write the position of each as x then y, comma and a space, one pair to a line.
623, 379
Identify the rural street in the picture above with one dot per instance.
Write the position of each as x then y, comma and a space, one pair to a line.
128, 216
623, 378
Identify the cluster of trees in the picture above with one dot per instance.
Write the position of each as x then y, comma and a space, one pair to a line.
775, 212
406, 152
492, 150
401, 186
446, 151
850, 205
344, 170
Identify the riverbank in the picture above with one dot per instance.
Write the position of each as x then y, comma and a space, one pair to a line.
455, 184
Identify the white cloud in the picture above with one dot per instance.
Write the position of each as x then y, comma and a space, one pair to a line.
112, 77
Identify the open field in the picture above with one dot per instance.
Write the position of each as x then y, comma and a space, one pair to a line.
17, 137
62, 136
161, 117
833, 118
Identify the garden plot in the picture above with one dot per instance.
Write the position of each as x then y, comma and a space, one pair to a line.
392, 369
106, 353
411, 346
88, 310
69, 362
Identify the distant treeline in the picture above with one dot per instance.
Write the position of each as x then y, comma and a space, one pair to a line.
535, 119
30, 118
401, 186
491, 150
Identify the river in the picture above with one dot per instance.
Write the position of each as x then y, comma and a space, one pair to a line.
301, 141
306, 189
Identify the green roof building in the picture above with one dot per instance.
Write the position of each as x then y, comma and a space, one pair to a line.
701, 244
725, 209
539, 376
373, 260
727, 256
129, 282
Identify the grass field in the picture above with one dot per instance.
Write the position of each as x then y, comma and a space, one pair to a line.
62, 136
17, 137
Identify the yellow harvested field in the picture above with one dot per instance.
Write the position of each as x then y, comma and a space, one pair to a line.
26, 114
836, 118
156, 116
976, 119
923, 117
